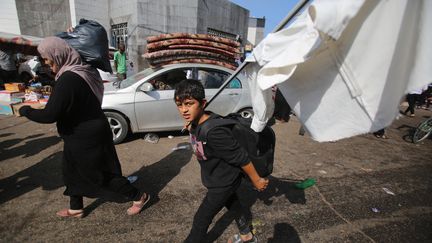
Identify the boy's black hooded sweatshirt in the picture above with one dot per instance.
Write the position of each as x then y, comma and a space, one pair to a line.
221, 158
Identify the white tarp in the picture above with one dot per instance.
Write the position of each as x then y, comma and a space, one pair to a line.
343, 66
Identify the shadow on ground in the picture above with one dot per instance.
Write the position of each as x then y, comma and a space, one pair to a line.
30, 148
6, 134
284, 232
277, 188
150, 179
45, 174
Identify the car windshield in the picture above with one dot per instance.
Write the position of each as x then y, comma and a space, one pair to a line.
137, 77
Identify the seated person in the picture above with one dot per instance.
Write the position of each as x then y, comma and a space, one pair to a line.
168, 80
163, 86
160, 83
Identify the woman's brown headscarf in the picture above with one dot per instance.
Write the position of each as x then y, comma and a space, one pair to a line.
68, 59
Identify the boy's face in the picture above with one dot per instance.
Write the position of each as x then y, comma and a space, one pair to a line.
121, 48
190, 109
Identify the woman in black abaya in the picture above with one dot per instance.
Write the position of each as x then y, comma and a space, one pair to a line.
90, 163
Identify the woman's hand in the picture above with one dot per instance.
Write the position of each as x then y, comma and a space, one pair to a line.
23, 110
261, 184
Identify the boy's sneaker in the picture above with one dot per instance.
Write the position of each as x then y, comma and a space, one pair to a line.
236, 239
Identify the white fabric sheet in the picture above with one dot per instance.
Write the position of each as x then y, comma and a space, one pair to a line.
343, 66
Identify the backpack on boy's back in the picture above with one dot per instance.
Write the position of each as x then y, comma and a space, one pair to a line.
259, 146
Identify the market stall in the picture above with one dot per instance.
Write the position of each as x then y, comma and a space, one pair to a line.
24, 44
14, 95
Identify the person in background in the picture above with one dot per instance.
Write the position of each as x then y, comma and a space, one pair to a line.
120, 62
222, 162
413, 97
429, 96
425, 97
30, 70
8, 69
380, 134
91, 167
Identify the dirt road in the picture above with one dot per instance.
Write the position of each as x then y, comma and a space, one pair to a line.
349, 203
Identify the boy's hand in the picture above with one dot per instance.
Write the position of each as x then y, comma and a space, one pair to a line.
260, 184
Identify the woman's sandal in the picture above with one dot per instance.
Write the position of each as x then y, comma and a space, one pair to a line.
65, 213
137, 206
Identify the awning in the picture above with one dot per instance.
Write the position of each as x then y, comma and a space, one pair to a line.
24, 44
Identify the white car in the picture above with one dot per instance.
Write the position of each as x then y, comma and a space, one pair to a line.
144, 102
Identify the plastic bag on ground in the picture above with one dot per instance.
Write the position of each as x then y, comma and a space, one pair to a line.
151, 138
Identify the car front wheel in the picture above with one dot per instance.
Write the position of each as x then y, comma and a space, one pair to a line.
247, 113
119, 126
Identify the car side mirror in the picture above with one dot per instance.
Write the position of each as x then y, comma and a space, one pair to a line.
147, 87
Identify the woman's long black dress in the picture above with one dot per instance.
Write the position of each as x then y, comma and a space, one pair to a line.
90, 163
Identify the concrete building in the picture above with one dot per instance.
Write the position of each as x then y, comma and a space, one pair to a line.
255, 32
129, 21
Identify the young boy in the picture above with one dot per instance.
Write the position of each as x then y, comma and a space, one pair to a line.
221, 160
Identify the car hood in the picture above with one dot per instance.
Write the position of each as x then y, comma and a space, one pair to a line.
110, 87
117, 97
110, 91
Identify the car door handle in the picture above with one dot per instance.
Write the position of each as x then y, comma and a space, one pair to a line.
232, 94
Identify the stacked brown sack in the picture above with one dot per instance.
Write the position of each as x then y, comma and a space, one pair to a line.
196, 48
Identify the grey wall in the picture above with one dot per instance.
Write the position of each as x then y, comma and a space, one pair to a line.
256, 30
167, 16
121, 11
154, 17
43, 17
125, 11
144, 18
222, 15
163, 16
95, 10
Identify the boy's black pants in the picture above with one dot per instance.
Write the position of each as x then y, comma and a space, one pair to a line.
212, 203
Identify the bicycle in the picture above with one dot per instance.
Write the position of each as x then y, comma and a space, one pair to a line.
422, 131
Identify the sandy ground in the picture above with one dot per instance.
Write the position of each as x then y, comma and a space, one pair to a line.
351, 175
